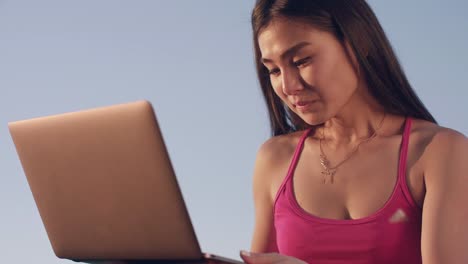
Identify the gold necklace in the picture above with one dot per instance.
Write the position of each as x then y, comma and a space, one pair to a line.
328, 170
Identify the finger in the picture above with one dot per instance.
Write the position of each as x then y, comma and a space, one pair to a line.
260, 258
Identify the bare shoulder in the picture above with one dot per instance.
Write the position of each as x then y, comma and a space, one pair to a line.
273, 158
438, 137
438, 143
279, 147
446, 184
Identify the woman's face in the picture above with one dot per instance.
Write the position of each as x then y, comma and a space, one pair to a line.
309, 69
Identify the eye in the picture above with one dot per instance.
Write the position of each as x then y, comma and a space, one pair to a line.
302, 62
274, 71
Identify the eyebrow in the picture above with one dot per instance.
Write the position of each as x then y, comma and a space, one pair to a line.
289, 51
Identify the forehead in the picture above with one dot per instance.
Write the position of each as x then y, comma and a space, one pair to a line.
282, 33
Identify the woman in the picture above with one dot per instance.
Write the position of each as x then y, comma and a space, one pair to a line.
358, 171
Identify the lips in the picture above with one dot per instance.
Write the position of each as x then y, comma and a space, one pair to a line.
304, 105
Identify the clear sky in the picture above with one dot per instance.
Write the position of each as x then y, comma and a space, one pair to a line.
193, 60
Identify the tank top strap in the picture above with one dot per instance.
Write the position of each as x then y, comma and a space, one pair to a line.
404, 150
295, 159
403, 160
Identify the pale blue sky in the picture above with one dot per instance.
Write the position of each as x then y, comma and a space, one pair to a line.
193, 61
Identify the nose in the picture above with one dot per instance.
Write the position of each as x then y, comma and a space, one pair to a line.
291, 82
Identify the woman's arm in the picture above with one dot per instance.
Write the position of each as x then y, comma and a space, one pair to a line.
445, 211
263, 236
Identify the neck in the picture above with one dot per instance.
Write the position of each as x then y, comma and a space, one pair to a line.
358, 120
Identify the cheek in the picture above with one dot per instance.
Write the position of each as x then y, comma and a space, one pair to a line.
277, 88
339, 79
310, 75
276, 84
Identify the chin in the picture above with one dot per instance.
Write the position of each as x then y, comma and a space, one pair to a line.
315, 115
312, 119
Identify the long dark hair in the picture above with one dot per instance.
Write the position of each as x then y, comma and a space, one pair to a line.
351, 21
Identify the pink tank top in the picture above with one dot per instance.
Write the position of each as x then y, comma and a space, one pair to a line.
390, 235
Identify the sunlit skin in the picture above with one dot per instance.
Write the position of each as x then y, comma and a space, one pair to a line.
317, 77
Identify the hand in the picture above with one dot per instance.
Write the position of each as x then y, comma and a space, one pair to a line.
268, 258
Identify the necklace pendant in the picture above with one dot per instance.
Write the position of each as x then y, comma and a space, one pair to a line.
324, 161
328, 173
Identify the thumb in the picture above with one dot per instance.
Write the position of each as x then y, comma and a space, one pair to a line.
259, 258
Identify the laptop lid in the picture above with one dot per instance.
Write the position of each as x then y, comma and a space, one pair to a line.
104, 185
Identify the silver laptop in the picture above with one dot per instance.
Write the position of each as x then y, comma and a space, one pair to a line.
105, 188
